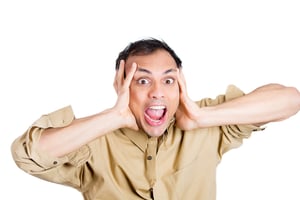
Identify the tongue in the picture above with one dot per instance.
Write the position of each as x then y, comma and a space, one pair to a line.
154, 113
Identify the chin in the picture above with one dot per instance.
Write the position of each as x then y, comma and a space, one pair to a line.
155, 134
155, 131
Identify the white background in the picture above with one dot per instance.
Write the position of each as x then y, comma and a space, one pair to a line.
56, 53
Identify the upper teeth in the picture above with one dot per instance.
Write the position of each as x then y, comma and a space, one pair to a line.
157, 107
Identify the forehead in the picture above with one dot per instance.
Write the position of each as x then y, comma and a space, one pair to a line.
158, 60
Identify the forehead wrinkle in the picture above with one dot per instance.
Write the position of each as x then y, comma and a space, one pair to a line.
140, 69
170, 71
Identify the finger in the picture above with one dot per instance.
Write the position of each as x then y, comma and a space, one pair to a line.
181, 81
130, 75
121, 71
119, 76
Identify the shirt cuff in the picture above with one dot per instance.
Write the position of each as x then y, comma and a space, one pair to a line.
60, 118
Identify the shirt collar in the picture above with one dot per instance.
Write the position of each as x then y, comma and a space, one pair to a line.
140, 138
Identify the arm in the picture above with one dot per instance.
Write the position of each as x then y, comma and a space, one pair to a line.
269, 103
61, 141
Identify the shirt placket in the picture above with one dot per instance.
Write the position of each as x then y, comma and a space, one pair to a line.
151, 161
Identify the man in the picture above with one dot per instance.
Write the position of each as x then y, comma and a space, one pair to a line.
155, 142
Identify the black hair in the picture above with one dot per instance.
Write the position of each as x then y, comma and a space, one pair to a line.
146, 47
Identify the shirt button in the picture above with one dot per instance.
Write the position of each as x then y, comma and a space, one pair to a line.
149, 157
151, 193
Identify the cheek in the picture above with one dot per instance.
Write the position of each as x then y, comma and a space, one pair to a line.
136, 100
174, 99
174, 93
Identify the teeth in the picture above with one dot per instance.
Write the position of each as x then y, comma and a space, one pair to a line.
157, 107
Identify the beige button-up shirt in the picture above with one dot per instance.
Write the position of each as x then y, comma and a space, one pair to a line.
128, 165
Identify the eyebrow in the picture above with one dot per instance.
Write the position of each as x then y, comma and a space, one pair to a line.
149, 72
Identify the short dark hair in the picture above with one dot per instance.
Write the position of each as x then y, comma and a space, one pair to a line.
146, 47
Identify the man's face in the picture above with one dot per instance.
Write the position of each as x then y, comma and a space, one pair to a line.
154, 91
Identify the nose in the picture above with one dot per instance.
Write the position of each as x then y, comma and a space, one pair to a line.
156, 91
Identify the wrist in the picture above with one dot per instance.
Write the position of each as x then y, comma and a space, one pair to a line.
207, 117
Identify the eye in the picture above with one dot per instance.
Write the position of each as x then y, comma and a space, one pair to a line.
169, 81
143, 81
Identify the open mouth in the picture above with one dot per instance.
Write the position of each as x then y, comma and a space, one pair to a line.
155, 115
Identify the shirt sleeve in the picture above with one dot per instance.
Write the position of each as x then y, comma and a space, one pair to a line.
231, 136
38, 163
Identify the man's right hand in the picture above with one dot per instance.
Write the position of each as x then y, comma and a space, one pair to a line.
121, 85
